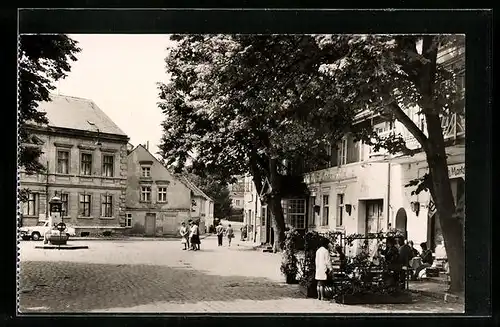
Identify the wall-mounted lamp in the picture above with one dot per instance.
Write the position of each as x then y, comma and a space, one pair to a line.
348, 209
415, 207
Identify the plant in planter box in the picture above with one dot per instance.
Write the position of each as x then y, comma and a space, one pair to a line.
289, 263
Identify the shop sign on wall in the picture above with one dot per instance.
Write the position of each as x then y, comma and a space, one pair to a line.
456, 170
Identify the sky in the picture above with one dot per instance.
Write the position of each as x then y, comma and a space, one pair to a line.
119, 73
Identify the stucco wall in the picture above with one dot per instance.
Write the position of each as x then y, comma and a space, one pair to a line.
358, 182
178, 194
417, 226
73, 183
170, 214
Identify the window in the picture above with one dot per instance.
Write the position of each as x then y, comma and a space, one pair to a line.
326, 210
340, 209
294, 211
107, 206
146, 193
238, 203
162, 194
384, 127
128, 220
342, 152
86, 164
65, 204
85, 201
62, 162
108, 165
31, 206
146, 171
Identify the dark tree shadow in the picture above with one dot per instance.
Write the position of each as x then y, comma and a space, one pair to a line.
82, 287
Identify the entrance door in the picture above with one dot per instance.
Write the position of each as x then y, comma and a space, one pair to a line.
374, 213
401, 221
150, 224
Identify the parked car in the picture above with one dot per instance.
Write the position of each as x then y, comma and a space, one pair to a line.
42, 227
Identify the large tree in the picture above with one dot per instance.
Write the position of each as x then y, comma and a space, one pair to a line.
248, 103
43, 59
388, 75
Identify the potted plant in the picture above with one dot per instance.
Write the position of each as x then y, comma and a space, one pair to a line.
289, 263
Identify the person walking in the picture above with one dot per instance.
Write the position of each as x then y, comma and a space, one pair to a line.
184, 235
323, 267
229, 233
192, 236
219, 230
196, 236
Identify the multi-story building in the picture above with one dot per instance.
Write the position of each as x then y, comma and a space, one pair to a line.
158, 201
362, 191
237, 193
85, 155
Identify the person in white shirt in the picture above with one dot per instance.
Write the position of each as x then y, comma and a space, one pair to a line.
323, 267
184, 236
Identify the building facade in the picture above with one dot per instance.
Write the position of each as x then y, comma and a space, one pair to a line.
237, 193
85, 155
202, 206
362, 190
158, 201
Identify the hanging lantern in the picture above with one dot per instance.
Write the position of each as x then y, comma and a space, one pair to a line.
348, 208
415, 207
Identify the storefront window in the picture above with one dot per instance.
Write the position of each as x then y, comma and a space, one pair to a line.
294, 211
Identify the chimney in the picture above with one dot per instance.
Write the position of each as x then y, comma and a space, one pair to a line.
147, 145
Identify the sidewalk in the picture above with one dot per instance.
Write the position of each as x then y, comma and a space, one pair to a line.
249, 245
436, 288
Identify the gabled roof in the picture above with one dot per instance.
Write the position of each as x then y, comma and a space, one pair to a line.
77, 113
195, 189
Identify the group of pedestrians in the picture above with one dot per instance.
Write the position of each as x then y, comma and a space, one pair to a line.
221, 231
190, 236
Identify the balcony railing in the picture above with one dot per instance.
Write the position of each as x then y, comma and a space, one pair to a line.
453, 126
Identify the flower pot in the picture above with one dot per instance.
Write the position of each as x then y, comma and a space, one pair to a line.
309, 290
55, 239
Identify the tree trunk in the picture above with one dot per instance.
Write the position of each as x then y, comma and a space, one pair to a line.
451, 226
278, 222
276, 208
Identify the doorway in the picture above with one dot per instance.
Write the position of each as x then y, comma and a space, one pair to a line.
150, 224
374, 216
401, 221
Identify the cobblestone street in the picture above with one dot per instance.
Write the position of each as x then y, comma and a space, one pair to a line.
157, 276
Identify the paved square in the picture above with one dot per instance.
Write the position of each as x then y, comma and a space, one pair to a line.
157, 276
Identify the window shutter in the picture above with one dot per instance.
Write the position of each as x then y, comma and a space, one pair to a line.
79, 200
334, 156
103, 199
352, 150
